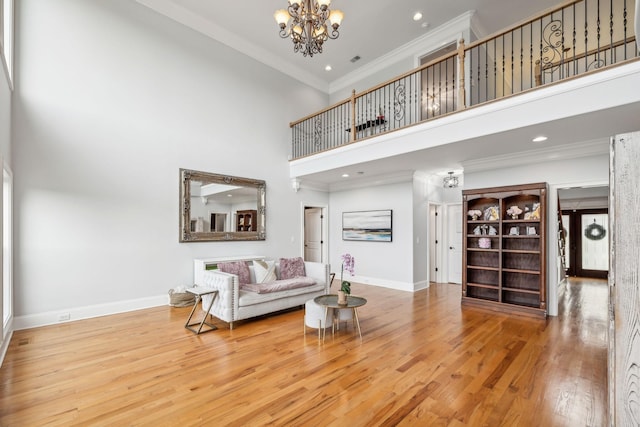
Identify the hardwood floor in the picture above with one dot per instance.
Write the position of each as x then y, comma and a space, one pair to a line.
423, 360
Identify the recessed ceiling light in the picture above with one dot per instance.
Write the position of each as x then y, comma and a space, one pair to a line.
328, 68
540, 138
345, 175
417, 16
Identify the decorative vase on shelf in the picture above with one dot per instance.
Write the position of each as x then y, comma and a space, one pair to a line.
342, 298
514, 216
484, 243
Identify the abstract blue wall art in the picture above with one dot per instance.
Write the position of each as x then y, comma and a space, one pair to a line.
370, 226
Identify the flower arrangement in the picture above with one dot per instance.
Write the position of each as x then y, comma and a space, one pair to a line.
474, 213
348, 263
514, 211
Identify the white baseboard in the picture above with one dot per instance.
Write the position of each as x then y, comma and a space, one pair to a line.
418, 286
78, 313
6, 340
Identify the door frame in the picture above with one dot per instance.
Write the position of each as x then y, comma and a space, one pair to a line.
324, 209
575, 238
447, 241
433, 248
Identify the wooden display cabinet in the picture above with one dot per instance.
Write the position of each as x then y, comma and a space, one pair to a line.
504, 259
246, 220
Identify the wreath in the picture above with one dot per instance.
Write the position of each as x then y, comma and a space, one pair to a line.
595, 232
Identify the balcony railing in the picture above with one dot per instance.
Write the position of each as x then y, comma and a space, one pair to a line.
576, 38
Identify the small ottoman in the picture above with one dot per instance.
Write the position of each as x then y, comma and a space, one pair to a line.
314, 317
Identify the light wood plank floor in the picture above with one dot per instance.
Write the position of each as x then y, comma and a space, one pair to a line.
423, 360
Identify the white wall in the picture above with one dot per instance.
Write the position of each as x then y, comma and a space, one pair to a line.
5, 155
111, 97
428, 189
593, 170
5, 116
420, 243
387, 264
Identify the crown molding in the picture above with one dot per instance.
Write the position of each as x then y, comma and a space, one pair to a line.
595, 147
448, 32
354, 183
372, 181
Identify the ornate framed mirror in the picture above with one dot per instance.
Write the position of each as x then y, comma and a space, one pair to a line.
216, 207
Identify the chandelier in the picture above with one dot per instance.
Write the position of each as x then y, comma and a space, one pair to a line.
305, 22
450, 181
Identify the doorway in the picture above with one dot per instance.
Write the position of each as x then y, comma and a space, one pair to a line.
588, 242
585, 221
435, 243
314, 234
218, 222
454, 254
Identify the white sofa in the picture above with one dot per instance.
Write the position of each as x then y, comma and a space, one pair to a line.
233, 303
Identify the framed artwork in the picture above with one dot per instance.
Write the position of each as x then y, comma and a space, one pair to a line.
370, 226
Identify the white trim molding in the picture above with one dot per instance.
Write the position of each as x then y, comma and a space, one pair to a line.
79, 313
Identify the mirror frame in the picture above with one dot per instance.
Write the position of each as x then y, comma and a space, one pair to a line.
186, 235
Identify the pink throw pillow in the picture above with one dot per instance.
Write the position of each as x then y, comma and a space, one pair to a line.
290, 268
240, 268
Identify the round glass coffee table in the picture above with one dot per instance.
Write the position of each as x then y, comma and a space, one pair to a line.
331, 301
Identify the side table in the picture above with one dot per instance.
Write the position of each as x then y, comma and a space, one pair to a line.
331, 301
199, 292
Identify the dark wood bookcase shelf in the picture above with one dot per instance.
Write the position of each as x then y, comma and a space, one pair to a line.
504, 260
246, 220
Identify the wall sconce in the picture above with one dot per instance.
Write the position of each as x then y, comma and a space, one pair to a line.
295, 184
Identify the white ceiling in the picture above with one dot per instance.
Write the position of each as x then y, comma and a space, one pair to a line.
370, 28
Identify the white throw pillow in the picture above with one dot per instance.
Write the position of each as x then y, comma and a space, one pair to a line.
265, 271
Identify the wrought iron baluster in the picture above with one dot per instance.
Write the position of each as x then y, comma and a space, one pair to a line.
446, 87
562, 52
512, 64
486, 71
495, 71
573, 42
399, 101
624, 22
439, 94
532, 69
434, 92
611, 49
598, 32
541, 64
503, 79
586, 38
521, 61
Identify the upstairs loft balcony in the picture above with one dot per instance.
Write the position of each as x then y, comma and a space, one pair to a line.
576, 39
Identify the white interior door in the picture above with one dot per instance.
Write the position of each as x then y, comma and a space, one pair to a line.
454, 254
313, 234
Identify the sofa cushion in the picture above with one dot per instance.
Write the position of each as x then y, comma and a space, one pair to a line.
265, 271
246, 298
279, 285
291, 268
240, 268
